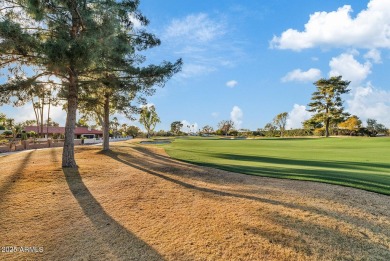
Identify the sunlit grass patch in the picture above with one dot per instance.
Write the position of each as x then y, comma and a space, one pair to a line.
357, 162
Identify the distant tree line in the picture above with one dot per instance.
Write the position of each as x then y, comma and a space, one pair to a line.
328, 118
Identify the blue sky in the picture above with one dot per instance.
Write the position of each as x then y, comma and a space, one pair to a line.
250, 60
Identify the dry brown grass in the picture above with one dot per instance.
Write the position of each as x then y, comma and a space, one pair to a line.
135, 203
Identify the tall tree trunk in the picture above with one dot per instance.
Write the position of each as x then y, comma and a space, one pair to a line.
106, 123
327, 120
48, 119
36, 115
42, 107
327, 127
68, 160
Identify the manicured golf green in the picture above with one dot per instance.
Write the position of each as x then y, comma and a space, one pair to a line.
356, 162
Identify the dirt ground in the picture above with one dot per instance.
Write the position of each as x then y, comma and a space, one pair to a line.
136, 203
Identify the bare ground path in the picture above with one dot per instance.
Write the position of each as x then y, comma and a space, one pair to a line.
136, 203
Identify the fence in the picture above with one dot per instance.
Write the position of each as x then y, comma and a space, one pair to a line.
47, 143
100, 140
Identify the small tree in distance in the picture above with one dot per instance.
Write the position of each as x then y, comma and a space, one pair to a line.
133, 131
176, 127
280, 120
374, 127
225, 126
207, 129
149, 119
270, 129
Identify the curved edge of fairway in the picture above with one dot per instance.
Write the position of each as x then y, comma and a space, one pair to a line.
324, 181
373, 177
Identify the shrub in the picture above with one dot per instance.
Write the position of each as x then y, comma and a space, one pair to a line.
7, 133
257, 133
297, 133
319, 132
233, 133
163, 133
219, 132
133, 131
32, 134
24, 136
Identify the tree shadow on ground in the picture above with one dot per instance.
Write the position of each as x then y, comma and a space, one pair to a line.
124, 245
354, 165
18, 173
306, 235
137, 164
369, 176
375, 183
116, 156
315, 231
363, 175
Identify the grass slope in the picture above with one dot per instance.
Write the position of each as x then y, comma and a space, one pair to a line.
356, 162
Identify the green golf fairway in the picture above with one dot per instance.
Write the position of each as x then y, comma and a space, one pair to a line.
356, 162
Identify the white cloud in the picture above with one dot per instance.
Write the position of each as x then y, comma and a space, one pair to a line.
374, 55
301, 76
369, 102
149, 104
189, 127
296, 116
232, 83
236, 116
348, 67
194, 50
369, 29
192, 70
203, 42
215, 114
196, 27
135, 21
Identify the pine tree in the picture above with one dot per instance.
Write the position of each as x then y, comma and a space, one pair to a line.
81, 43
327, 104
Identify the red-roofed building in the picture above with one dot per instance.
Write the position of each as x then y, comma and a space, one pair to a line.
79, 132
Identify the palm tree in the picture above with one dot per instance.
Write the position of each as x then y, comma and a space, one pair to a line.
124, 127
114, 125
3, 118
